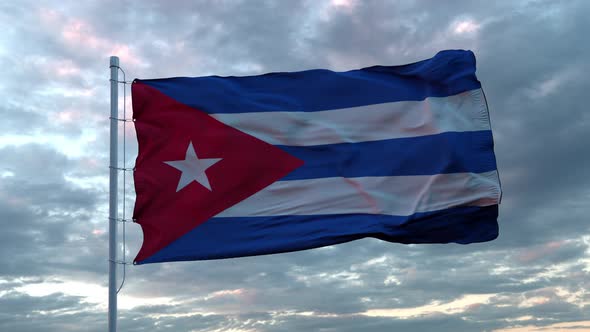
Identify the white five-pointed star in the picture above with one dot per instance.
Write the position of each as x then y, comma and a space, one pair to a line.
192, 168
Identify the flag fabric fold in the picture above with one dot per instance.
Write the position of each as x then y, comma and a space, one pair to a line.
241, 166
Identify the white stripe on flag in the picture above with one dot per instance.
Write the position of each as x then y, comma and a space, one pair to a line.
466, 111
390, 195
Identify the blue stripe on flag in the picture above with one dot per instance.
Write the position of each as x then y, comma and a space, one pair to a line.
446, 74
249, 236
451, 152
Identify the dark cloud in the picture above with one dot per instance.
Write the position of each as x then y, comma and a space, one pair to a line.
44, 216
55, 312
532, 59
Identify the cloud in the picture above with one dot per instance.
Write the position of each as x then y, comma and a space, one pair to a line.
532, 57
581, 326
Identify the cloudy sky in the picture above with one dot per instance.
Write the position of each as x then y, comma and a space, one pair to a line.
533, 61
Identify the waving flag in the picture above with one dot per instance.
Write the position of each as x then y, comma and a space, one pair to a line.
240, 166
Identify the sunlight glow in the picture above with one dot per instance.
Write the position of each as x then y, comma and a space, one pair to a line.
224, 293
454, 307
581, 326
345, 4
467, 26
89, 292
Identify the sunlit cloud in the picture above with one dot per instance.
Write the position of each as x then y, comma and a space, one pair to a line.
528, 255
98, 232
392, 280
347, 5
580, 326
6, 174
534, 301
51, 67
343, 277
89, 292
66, 68
465, 26
225, 293
453, 307
80, 35
68, 116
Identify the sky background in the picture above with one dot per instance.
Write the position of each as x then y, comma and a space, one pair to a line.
533, 61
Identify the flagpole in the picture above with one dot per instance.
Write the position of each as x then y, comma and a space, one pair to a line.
113, 187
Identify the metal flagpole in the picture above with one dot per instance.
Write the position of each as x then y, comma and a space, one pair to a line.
113, 187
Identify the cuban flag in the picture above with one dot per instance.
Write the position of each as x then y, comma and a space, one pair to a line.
241, 166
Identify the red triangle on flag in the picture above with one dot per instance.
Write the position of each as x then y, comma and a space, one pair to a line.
165, 128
